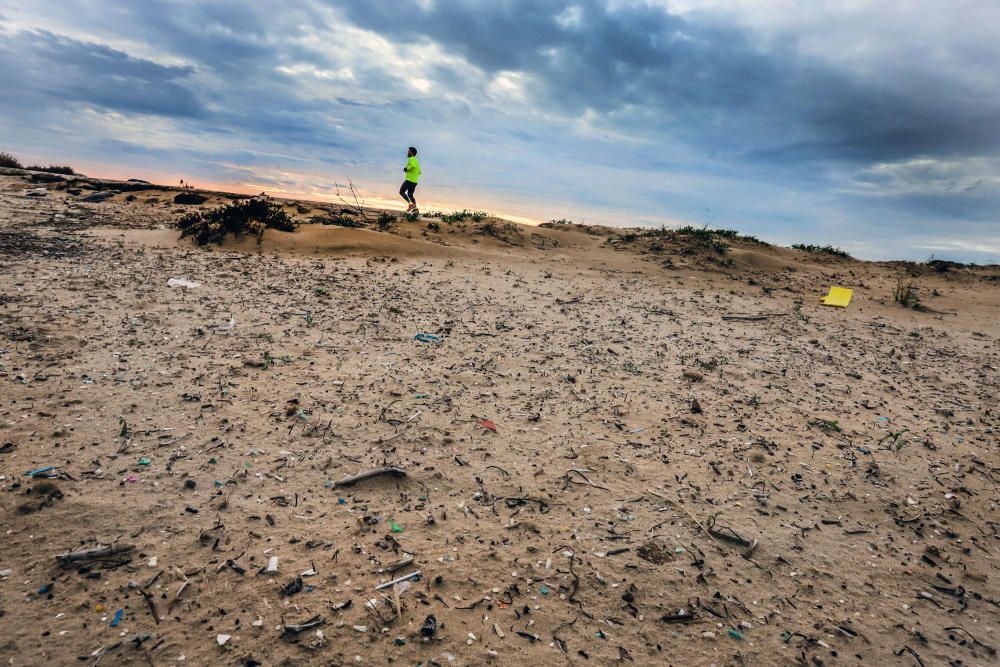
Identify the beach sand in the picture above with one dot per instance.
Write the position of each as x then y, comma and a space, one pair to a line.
812, 486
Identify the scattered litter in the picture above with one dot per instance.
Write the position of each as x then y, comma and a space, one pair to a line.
661, 464
429, 626
390, 584
838, 297
379, 472
292, 587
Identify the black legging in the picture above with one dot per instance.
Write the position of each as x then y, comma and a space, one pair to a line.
406, 192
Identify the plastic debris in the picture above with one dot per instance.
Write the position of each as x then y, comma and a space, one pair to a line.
398, 580
837, 297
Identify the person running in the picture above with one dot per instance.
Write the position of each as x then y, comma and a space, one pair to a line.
412, 171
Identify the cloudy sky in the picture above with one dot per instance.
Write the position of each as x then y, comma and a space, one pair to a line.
871, 125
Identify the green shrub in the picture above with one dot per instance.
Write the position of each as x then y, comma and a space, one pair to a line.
8, 160
905, 294
707, 237
53, 169
252, 216
824, 249
340, 220
503, 231
456, 217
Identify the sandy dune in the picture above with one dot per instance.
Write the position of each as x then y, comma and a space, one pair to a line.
663, 485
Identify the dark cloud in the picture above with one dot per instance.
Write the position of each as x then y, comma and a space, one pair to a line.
59, 69
714, 86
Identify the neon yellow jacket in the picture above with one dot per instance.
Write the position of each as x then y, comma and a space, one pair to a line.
412, 170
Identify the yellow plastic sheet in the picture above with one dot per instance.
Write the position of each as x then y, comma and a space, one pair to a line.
838, 297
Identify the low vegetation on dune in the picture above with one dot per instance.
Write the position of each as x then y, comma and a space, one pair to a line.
250, 216
502, 230
905, 294
459, 217
687, 239
822, 249
9, 161
339, 219
64, 169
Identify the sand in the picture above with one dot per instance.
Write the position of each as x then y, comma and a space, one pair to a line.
663, 486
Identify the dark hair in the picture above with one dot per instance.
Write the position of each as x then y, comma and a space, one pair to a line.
413, 149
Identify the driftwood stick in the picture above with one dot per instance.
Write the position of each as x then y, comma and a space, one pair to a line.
93, 554
758, 316
586, 480
378, 472
152, 606
698, 523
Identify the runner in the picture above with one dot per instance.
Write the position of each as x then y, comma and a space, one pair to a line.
412, 171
